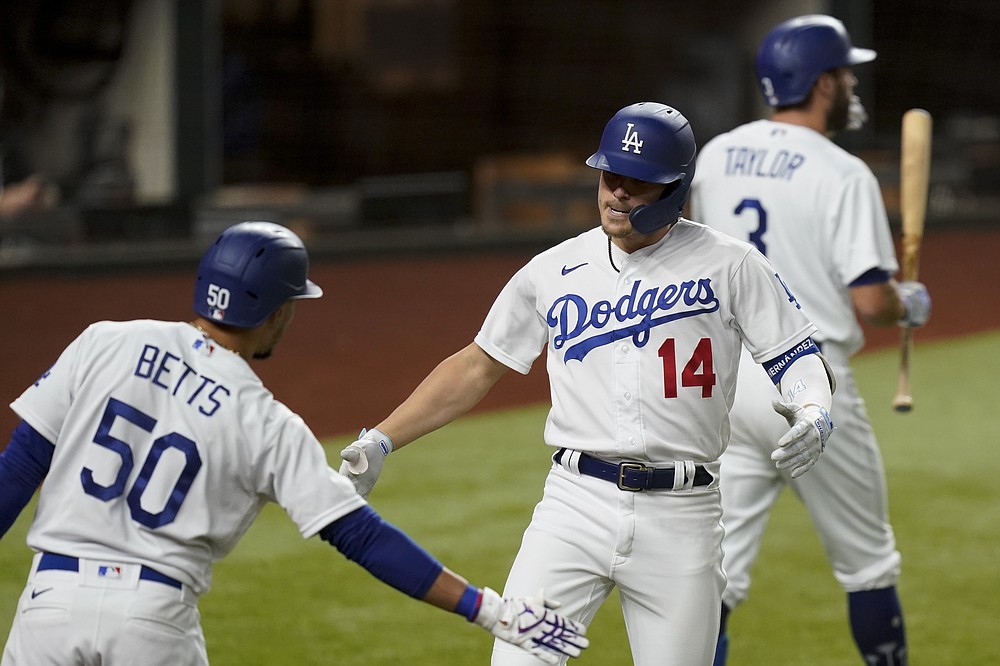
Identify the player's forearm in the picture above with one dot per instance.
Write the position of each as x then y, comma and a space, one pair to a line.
454, 387
391, 556
23, 466
447, 590
878, 304
806, 381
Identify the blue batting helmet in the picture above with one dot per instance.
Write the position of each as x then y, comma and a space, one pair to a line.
651, 142
250, 270
793, 55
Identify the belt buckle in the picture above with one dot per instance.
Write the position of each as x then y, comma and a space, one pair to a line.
639, 467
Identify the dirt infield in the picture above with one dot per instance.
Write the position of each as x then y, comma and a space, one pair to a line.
353, 355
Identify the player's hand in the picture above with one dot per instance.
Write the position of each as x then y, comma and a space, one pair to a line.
363, 459
800, 447
916, 303
533, 625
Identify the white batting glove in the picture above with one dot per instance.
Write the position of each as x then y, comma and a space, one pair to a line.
363, 459
916, 303
533, 625
801, 446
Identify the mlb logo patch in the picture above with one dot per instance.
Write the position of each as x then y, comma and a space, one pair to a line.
109, 572
204, 346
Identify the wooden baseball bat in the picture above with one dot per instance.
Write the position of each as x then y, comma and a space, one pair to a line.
914, 178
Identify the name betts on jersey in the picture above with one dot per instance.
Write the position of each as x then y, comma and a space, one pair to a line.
156, 366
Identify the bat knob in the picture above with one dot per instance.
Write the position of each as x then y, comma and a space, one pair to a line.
902, 404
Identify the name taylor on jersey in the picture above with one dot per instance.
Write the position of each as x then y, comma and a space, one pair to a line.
762, 162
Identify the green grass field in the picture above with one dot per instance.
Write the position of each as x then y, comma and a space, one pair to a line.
466, 493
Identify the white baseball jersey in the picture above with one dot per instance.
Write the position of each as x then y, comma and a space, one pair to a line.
642, 366
167, 446
811, 207
642, 363
817, 213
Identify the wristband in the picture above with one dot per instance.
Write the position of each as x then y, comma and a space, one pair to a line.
468, 606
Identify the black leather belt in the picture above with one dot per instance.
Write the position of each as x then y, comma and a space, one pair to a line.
52, 561
633, 476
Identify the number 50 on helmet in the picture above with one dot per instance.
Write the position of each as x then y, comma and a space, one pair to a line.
250, 270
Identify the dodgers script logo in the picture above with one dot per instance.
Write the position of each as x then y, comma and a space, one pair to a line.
571, 316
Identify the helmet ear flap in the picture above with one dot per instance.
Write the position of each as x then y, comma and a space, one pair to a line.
647, 218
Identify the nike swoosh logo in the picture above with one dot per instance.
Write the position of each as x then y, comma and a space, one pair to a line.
38, 593
567, 270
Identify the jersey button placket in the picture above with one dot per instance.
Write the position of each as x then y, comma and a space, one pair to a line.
627, 375
627, 414
626, 361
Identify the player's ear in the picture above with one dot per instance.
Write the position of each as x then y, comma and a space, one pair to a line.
284, 312
280, 310
277, 318
826, 84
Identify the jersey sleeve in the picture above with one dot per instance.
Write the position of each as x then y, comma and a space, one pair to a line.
45, 403
295, 473
513, 331
862, 240
768, 316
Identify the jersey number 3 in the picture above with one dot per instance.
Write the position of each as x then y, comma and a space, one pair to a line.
103, 437
757, 235
699, 371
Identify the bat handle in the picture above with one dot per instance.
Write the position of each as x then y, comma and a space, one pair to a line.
903, 402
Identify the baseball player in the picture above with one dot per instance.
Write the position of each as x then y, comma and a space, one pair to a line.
817, 213
159, 445
642, 320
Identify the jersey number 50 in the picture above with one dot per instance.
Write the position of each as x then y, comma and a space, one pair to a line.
103, 437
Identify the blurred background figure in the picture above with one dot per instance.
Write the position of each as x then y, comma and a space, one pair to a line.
24, 194
24, 197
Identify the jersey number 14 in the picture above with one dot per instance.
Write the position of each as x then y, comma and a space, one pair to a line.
699, 371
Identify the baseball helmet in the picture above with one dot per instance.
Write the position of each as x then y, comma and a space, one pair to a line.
793, 55
250, 270
651, 142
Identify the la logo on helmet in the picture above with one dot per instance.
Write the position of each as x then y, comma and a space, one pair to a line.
632, 140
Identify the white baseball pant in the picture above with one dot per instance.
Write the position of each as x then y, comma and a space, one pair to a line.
844, 493
662, 549
86, 616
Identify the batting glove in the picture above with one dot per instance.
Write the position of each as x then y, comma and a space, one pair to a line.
531, 624
363, 459
916, 303
801, 446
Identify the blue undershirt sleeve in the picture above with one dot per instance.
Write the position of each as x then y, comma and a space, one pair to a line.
23, 466
871, 276
384, 550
